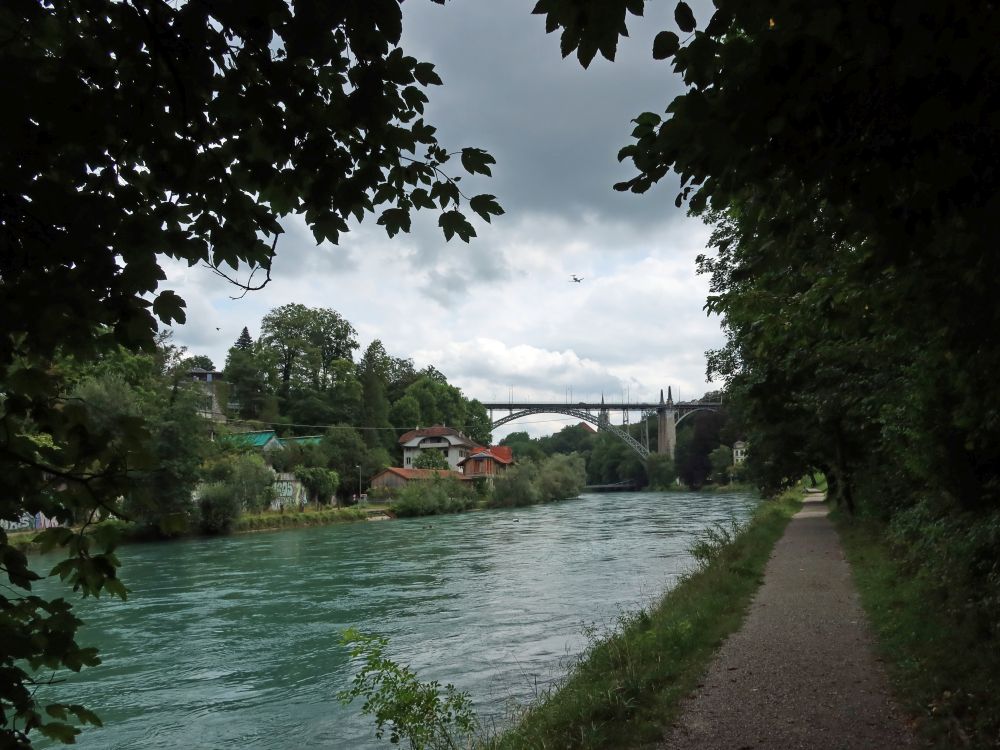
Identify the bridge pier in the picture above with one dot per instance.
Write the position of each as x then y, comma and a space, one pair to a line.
666, 425
669, 415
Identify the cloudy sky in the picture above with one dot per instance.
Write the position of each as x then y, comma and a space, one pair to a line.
500, 316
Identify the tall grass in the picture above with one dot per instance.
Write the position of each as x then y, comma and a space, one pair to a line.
936, 634
627, 687
263, 521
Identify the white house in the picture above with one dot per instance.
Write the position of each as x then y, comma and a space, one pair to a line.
739, 452
452, 444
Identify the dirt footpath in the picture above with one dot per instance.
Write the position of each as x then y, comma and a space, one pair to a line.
800, 673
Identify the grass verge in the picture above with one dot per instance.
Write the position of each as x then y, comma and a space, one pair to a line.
131, 532
627, 687
264, 521
943, 669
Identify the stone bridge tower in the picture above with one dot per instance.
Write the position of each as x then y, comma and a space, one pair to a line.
666, 423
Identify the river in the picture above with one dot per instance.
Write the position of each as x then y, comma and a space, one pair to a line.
234, 642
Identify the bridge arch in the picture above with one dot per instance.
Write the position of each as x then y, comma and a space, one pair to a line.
630, 441
689, 412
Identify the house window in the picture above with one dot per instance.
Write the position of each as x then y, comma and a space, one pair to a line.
407, 460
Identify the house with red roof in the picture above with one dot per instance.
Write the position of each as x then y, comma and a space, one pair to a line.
451, 443
394, 477
487, 462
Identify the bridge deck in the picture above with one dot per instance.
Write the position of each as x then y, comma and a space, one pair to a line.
596, 406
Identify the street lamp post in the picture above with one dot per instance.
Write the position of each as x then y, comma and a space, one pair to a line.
359, 483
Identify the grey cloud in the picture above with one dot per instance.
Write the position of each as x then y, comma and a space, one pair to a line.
554, 128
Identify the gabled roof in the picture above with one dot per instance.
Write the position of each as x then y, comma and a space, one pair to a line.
257, 439
433, 432
419, 473
301, 440
502, 454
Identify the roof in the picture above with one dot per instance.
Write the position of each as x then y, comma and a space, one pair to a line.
301, 440
587, 426
257, 439
435, 431
419, 473
502, 454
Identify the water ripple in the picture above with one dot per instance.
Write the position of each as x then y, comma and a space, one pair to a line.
235, 642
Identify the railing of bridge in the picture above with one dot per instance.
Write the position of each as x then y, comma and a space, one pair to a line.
585, 411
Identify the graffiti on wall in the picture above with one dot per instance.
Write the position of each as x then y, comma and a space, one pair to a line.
29, 521
289, 493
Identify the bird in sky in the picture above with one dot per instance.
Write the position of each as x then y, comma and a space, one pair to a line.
576, 278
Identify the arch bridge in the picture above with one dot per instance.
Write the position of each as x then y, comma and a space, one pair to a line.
668, 412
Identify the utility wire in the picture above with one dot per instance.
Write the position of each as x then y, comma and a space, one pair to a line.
252, 422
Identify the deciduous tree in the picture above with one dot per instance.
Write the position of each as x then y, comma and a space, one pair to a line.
188, 131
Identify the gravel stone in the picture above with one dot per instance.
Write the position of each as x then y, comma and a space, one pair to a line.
801, 672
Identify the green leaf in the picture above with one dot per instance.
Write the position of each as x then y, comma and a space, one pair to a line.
421, 199
169, 307
115, 587
388, 16
476, 160
49, 539
485, 205
684, 17
665, 45
647, 119
454, 222
425, 75
394, 220
63, 733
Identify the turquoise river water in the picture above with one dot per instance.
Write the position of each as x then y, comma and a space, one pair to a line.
234, 642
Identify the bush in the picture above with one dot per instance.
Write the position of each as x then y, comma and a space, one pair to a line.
561, 477
432, 497
247, 476
305, 518
517, 487
661, 472
219, 506
957, 552
558, 477
320, 483
382, 493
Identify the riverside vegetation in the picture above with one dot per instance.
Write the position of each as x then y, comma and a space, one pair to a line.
627, 685
922, 582
527, 483
849, 262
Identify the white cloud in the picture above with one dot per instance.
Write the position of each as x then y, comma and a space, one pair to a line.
501, 312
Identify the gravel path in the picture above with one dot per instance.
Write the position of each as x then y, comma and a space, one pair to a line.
800, 673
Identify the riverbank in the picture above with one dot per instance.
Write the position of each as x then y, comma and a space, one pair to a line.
801, 672
245, 524
628, 685
492, 601
943, 662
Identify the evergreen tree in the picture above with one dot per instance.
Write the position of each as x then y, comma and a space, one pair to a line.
244, 342
372, 372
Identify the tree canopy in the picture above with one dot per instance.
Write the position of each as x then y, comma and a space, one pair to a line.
147, 130
846, 158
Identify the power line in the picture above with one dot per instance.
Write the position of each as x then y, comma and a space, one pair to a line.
257, 422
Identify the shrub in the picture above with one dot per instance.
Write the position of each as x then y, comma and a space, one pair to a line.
219, 508
433, 497
558, 477
661, 472
248, 477
517, 487
319, 483
561, 476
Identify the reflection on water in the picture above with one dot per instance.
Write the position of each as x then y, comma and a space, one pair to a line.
235, 642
